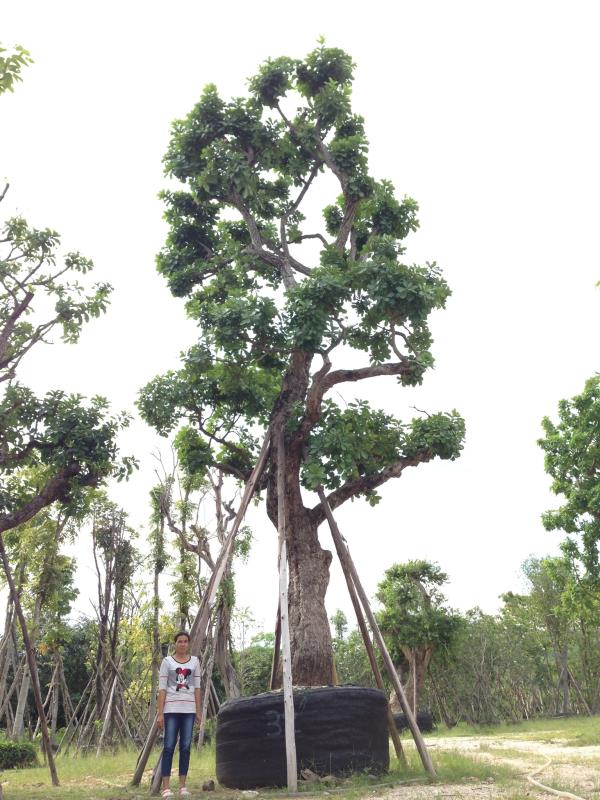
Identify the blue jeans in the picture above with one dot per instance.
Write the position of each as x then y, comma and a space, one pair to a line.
182, 724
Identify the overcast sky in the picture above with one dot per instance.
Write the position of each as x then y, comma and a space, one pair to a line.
485, 112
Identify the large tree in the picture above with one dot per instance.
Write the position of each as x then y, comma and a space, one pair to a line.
53, 446
290, 310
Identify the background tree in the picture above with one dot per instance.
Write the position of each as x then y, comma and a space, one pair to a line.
254, 662
415, 621
546, 608
572, 448
290, 311
47, 579
11, 64
67, 443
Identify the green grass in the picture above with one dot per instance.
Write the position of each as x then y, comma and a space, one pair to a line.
91, 778
576, 731
107, 777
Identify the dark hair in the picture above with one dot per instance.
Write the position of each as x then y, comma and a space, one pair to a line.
181, 633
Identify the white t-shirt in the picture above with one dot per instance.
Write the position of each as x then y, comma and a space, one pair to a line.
179, 681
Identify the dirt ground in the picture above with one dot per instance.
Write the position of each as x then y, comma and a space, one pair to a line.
574, 770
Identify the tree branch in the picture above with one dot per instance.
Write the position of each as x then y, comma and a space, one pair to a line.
258, 244
12, 321
51, 492
403, 367
367, 483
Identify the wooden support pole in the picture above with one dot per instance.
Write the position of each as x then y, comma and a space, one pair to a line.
107, 716
286, 661
156, 779
207, 684
35, 683
370, 652
69, 734
145, 754
276, 649
348, 566
13, 686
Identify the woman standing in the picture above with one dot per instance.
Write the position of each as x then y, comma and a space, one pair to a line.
179, 704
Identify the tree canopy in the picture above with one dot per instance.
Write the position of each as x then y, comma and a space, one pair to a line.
51, 447
271, 288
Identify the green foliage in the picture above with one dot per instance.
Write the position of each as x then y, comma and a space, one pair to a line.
572, 459
340, 624
51, 447
17, 754
253, 664
351, 660
11, 64
236, 231
413, 608
357, 440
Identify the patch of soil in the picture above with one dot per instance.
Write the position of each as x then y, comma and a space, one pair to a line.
572, 769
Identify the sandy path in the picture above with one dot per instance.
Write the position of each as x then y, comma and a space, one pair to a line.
576, 769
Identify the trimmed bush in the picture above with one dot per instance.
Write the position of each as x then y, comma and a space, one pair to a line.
17, 754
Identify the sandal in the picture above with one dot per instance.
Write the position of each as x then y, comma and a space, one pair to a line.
184, 792
166, 793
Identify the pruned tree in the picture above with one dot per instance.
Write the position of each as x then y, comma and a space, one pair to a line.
290, 311
415, 621
115, 558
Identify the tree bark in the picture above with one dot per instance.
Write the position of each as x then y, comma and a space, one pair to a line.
311, 646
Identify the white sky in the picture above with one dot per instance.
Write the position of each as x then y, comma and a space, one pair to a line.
484, 112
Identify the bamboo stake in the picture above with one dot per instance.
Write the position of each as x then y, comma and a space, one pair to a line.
13, 686
288, 692
348, 564
31, 662
67, 735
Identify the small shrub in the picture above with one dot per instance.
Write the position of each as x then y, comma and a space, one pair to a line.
16, 754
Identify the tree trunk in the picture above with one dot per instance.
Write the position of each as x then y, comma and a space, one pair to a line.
312, 651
